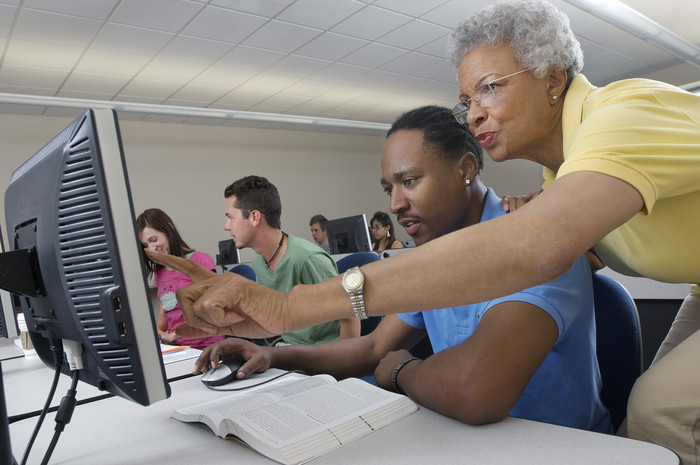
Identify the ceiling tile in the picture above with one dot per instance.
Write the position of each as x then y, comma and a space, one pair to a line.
194, 50
310, 88
241, 99
415, 9
371, 23
223, 25
155, 91
56, 28
41, 55
26, 76
266, 8
435, 48
280, 103
441, 71
216, 76
339, 73
373, 55
281, 36
410, 63
453, 12
267, 83
204, 95
326, 14
90, 82
295, 65
331, 46
130, 40
7, 16
414, 35
163, 15
84, 8
117, 64
169, 70
250, 58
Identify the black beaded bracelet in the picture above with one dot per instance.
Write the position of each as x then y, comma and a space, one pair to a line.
395, 375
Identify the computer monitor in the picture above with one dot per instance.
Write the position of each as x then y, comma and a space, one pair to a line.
228, 253
77, 263
348, 235
8, 319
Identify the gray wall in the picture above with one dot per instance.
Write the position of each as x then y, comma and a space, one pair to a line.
184, 169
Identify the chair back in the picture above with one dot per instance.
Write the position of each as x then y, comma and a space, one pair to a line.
359, 259
619, 344
244, 270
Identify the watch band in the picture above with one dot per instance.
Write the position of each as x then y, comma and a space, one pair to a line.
358, 305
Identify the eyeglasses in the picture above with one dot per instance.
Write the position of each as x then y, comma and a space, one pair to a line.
376, 227
483, 96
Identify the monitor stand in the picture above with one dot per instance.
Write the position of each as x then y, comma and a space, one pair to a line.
5, 445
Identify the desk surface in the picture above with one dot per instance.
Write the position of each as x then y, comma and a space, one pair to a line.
116, 431
27, 380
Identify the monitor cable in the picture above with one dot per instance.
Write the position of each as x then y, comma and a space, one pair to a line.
63, 415
57, 352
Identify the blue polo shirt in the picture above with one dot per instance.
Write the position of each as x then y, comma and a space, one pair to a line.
565, 389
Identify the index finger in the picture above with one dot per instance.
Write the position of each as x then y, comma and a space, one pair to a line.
195, 271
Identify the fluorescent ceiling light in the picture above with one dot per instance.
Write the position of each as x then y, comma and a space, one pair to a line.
618, 14
216, 113
272, 118
353, 124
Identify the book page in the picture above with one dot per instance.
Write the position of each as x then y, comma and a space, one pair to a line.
310, 412
239, 402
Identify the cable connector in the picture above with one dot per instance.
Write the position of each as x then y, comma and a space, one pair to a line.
74, 352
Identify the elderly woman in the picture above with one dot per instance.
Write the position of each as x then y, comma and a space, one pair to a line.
622, 169
623, 160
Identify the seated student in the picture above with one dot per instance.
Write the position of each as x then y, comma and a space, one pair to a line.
317, 225
530, 355
158, 232
253, 219
383, 233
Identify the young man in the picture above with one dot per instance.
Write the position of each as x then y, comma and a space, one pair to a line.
317, 224
530, 354
253, 219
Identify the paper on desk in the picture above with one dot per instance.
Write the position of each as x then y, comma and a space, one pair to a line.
176, 353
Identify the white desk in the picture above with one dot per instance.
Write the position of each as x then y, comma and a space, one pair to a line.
115, 431
27, 379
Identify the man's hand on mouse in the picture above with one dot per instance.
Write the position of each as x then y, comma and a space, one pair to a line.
258, 358
224, 304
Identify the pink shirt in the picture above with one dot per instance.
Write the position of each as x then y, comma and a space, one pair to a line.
168, 282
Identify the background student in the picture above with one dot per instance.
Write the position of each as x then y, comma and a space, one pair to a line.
253, 219
158, 232
383, 233
317, 225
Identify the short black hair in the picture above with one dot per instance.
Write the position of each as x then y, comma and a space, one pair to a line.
441, 130
257, 193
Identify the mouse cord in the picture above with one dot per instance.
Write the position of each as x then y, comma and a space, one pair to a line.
214, 388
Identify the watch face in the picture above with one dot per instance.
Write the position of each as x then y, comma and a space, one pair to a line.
353, 279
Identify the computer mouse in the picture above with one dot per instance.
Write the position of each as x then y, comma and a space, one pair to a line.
224, 373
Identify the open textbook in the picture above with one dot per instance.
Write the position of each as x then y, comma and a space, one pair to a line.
298, 421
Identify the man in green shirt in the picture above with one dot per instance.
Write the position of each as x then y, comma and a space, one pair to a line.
253, 212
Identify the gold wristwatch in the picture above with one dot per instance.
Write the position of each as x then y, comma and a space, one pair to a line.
353, 280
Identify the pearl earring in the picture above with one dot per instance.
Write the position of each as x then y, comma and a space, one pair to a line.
554, 97
467, 181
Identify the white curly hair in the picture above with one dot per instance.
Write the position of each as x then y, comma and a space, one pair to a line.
538, 32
